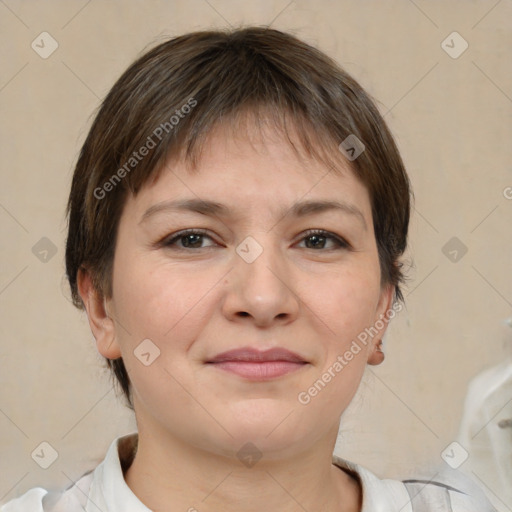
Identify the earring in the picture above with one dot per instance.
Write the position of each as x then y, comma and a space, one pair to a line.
377, 354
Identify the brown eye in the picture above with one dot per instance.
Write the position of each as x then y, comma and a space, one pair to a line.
190, 239
320, 239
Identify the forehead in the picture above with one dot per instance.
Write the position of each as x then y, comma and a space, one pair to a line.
256, 166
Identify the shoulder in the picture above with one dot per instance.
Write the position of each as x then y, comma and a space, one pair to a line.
438, 495
102, 488
31, 501
40, 500
445, 492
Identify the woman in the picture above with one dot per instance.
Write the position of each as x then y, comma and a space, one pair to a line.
236, 222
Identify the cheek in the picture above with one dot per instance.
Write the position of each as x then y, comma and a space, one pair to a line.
169, 306
154, 299
347, 311
347, 302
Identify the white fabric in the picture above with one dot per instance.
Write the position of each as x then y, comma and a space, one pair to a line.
105, 490
486, 432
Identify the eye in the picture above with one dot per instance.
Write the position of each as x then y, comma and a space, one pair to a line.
316, 239
320, 239
188, 239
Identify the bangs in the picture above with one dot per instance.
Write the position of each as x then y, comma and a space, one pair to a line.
169, 109
255, 124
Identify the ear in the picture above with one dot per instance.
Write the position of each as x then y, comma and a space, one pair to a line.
376, 353
102, 325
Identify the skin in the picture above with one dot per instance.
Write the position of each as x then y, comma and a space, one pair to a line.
196, 302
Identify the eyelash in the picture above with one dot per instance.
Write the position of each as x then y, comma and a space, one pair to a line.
170, 241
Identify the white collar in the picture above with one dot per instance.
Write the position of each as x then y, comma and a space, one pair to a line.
378, 495
109, 490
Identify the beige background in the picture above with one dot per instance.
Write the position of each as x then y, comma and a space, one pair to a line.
452, 120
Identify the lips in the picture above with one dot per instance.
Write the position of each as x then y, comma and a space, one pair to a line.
253, 364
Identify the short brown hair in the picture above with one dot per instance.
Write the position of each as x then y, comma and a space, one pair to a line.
218, 76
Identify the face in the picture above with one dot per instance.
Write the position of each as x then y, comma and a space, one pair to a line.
238, 293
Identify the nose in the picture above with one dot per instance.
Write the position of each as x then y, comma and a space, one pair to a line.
261, 292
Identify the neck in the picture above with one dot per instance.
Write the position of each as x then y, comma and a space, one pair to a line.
169, 475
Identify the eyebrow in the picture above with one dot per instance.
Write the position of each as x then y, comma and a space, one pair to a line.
213, 209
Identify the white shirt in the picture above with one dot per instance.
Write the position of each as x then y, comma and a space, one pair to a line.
486, 432
105, 490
